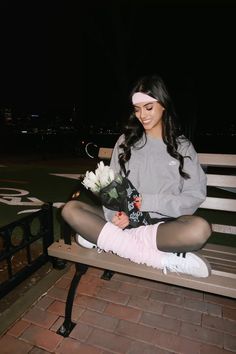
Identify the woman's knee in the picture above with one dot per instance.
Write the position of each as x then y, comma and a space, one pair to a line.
201, 230
69, 208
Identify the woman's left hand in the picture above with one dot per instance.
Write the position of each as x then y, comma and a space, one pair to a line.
137, 202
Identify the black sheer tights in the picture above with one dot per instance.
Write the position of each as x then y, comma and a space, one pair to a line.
184, 234
84, 219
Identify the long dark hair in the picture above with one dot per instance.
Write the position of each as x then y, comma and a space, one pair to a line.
155, 87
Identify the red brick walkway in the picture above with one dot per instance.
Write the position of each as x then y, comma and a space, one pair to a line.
125, 315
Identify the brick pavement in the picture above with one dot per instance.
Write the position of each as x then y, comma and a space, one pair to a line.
125, 315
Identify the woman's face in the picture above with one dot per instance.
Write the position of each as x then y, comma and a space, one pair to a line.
150, 116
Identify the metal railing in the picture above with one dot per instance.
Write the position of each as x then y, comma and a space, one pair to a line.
23, 247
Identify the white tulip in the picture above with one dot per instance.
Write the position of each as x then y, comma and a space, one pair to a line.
102, 177
111, 175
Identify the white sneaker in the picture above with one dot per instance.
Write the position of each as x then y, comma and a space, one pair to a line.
83, 242
187, 263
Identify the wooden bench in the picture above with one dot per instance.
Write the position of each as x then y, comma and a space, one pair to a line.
222, 258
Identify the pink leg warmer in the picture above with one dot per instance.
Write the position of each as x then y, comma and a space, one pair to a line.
138, 244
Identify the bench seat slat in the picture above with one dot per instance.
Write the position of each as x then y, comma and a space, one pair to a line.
220, 263
231, 265
215, 283
228, 255
220, 257
215, 258
227, 250
223, 273
230, 271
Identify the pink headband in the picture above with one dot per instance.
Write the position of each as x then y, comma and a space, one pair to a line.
139, 97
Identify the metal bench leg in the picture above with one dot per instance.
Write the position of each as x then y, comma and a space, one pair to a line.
107, 274
68, 325
58, 263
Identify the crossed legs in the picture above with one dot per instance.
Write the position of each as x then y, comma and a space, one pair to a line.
184, 234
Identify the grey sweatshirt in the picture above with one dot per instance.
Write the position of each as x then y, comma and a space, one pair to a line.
156, 176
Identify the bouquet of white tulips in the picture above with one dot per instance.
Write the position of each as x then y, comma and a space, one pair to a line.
102, 177
116, 193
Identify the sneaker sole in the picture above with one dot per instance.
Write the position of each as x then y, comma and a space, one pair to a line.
205, 261
84, 243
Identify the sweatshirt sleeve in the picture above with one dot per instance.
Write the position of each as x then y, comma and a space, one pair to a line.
192, 191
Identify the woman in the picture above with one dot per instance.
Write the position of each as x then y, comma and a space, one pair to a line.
163, 166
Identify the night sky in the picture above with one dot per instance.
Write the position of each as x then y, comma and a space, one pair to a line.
56, 54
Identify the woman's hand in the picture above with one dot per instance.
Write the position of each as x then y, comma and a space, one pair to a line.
120, 219
137, 202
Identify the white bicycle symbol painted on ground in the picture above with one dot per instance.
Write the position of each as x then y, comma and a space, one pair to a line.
20, 197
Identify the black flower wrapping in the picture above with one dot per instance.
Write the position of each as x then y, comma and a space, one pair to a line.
120, 195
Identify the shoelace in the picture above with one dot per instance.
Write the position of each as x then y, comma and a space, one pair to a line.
171, 269
174, 268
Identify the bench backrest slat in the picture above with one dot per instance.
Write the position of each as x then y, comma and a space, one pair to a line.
221, 180
105, 153
219, 204
226, 160
224, 229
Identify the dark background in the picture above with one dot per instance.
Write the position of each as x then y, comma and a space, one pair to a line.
62, 55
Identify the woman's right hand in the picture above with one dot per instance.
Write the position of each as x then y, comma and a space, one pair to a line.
120, 219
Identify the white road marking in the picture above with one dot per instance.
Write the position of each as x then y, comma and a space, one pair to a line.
68, 175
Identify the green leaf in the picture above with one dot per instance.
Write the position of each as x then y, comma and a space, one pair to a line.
113, 193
